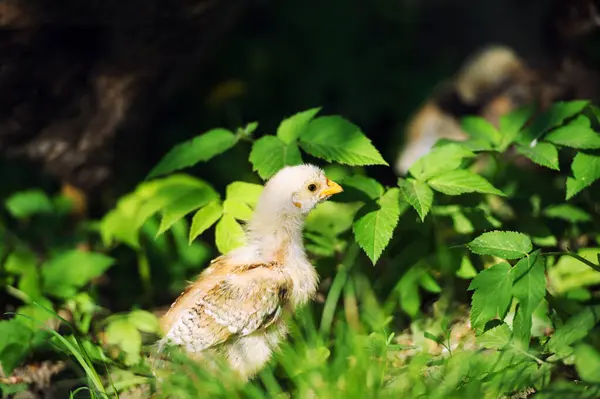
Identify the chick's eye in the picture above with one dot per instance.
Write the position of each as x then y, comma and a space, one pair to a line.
312, 187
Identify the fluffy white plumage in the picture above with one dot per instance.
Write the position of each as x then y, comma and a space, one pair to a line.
233, 310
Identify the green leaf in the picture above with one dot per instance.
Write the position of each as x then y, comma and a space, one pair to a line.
134, 209
479, 128
27, 203
244, 192
124, 334
14, 345
229, 234
199, 149
575, 329
418, 195
492, 296
335, 139
503, 244
529, 287
574, 136
185, 204
269, 154
439, 160
359, 188
495, 338
460, 181
586, 170
551, 118
144, 321
543, 154
587, 363
567, 212
238, 209
204, 218
65, 273
512, 123
375, 224
291, 128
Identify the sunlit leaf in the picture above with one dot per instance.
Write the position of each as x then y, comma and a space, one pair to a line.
418, 195
27, 203
440, 160
495, 338
460, 181
567, 212
492, 296
333, 138
503, 244
199, 149
270, 154
229, 234
291, 128
529, 287
587, 363
543, 154
586, 170
375, 223
244, 192
65, 273
574, 136
479, 128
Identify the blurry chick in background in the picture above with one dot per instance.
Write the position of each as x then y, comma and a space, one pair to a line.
233, 311
493, 82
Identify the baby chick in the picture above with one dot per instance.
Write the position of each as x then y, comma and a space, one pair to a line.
233, 310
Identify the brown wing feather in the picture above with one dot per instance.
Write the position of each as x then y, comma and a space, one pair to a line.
226, 301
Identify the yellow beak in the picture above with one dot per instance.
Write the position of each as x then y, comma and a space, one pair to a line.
332, 188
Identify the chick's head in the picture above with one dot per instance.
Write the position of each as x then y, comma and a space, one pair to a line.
297, 189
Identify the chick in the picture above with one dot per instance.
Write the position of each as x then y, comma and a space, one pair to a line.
491, 83
233, 310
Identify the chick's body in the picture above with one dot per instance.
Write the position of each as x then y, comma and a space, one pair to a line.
233, 310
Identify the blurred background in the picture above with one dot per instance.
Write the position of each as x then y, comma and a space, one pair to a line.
93, 93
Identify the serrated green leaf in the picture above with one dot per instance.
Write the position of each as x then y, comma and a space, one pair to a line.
248, 193
375, 223
418, 195
529, 287
460, 181
512, 123
575, 136
551, 118
587, 363
229, 235
238, 209
185, 204
567, 212
495, 338
199, 149
503, 244
125, 335
544, 154
586, 170
64, 274
492, 296
335, 139
291, 128
269, 154
575, 329
27, 203
359, 188
440, 160
480, 129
